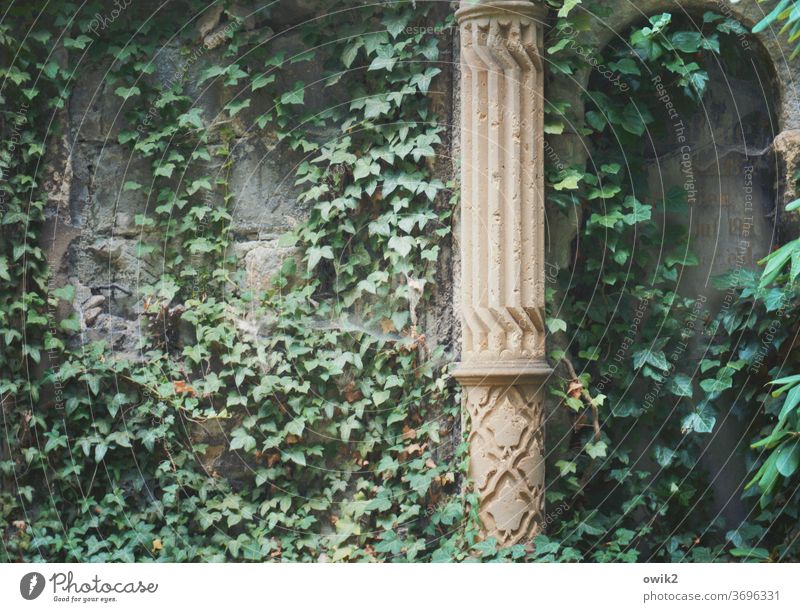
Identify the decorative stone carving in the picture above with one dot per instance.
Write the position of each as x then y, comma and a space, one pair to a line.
502, 256
507, 458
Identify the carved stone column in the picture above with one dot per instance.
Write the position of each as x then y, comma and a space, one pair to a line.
503, 365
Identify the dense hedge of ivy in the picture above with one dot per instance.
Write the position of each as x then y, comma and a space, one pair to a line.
345, 421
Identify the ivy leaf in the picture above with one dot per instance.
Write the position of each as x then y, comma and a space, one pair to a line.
681, 385
296, 455
365, 167
131, 186
596, 120
296, 96
656, 359
165, 170
315, 254
625, 66
66, 293
296, 427
633, 120
596, 449
641, 212
554, 128
127, 92
71, 323
262, 80
701, 420
77, 43
385, 60
379, 397
396, 23
375, 106
761, 554
202, 183
4, 269
402, 244
664, 456
350, 52
687, 42
715, 386
423, 80
569, 180
241, 439
100, 451
234, 107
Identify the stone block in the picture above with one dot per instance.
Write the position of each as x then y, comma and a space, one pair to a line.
262, 261
265, 198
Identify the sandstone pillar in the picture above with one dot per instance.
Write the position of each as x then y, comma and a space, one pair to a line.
503, 365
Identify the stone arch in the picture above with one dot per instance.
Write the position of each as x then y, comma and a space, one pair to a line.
759, 114
747, 12
771, 46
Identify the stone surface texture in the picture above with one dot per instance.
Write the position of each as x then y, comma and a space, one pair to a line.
494, 273
502, 261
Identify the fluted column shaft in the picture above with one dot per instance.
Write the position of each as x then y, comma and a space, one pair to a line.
502, 253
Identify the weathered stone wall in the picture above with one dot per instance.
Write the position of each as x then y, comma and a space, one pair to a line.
91, 237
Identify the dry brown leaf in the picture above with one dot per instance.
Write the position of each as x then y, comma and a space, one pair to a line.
408, 433
575, 388
182, 386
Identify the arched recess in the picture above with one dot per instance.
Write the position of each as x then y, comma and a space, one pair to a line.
736, 154
769, 45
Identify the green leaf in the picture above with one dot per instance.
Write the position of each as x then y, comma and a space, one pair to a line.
655, 358
241, 439
771, 16
127, 92
681, 385
296, 96
385, 60
234, 107
790, 404
350, 52
165, 170
402, 244
756, 553
701, 420
315, 254
296, 455
100, 451
569, 180
788, 457
596, 449
379, 397
262, 80
567, 7
596, 120
556, 325
66, 293
396, 22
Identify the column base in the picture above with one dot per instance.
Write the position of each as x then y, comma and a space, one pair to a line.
504, 401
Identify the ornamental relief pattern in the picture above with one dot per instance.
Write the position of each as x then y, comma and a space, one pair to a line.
502, 260
506, 459
502, 236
